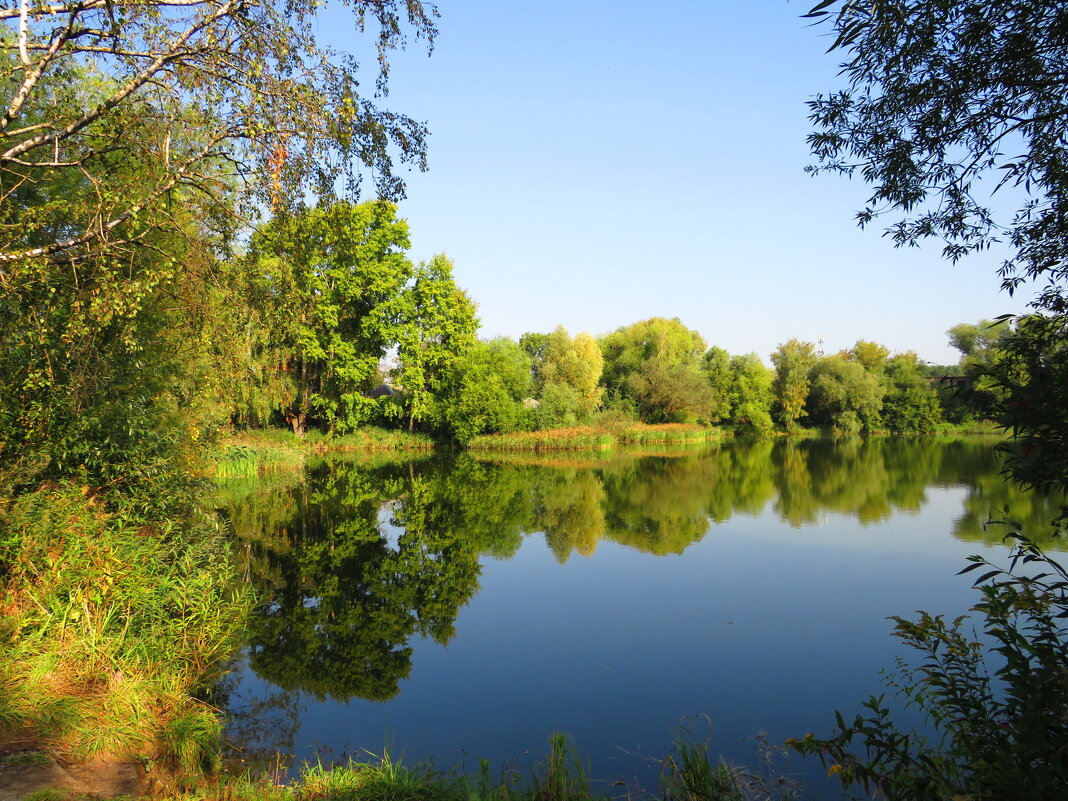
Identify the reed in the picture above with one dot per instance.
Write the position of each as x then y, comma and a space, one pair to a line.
553, 439
642, 433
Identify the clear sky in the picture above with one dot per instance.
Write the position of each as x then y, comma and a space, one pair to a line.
596, 163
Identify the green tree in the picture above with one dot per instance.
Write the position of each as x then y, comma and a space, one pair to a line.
677, 393
576, 364
911, 404
942, 95
438, 326
134, 141
845, 395
751, 393
793, 360
939, 91
870, 355
716, 365
534, 345
668, 342
485, 389
981, 346
339, 275
657, 364
91, 88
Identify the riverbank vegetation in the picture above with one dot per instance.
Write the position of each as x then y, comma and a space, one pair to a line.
997, 700
688, 773
183, 256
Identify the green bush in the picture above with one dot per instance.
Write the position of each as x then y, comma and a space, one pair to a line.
1001, 706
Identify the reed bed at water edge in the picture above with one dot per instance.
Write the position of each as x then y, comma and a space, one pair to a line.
642, 433
251, 453
553, 439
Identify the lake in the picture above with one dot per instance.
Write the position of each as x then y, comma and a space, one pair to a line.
456, 608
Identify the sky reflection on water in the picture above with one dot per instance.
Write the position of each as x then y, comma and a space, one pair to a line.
615, 599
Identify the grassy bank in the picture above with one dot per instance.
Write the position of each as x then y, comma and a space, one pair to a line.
688, 773
553, 439
250, 453
594, 437
113, 632
667, 433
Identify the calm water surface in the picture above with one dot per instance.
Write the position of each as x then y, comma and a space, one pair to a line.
466, 608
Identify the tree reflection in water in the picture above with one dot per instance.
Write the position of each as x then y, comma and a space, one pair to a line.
355, 559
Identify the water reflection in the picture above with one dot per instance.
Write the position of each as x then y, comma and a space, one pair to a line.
354, 559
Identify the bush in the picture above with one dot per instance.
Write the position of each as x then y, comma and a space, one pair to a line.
1001, 708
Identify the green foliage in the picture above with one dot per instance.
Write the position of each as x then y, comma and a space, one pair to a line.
940, 97
936, 90
484, 391
115, 629
870, 355
1031, 376
575, 364
657, 364
1005, 735
439, 326
845, 395
384, 780
337, 276
910, 403
716, 365
670, 432
751, 393
559, 407
557, 439
677, 393
689, 774
793, 361
668, 342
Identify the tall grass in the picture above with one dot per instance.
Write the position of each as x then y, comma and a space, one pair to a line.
689, 774
252, 453
114, 630
554, 439
641, 433
373, 438
594, 437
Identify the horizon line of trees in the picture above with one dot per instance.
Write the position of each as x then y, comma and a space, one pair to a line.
326, 296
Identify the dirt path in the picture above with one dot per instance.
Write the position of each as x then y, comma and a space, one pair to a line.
21, 776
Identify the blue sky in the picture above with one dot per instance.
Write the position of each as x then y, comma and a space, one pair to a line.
597, 163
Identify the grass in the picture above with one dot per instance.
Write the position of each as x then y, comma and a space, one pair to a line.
248, 454
642, 433
113, 631
689, 774
553, 439
594, 437
975, 427
373, 439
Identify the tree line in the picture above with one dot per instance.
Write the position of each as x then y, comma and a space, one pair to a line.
330, 326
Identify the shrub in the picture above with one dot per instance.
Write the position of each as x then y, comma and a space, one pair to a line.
1001, 707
